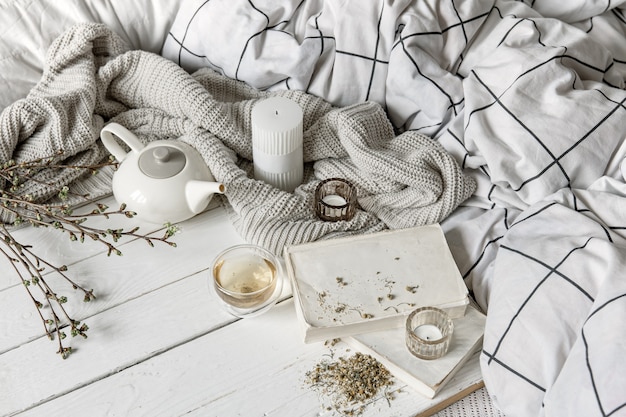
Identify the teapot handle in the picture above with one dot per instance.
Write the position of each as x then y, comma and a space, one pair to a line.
109, 142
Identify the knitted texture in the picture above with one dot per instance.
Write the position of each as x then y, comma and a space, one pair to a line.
91, 77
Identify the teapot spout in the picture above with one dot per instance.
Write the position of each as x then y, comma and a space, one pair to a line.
199, 193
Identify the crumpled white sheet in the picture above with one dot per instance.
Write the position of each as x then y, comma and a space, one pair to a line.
529, 97
28, 28
553, 279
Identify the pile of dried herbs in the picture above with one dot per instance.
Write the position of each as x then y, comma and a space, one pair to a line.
351, 383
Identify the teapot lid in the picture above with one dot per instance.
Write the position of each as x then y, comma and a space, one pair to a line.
162, 161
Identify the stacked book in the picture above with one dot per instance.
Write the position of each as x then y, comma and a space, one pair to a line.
362, 288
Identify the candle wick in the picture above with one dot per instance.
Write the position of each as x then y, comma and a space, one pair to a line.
276, 112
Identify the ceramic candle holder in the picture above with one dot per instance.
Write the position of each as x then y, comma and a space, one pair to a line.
428, 332
335, 199
246, 279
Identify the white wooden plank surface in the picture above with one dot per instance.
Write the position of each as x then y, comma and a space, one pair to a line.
159, 345
58, 249
116, 279
253, 367
117, 340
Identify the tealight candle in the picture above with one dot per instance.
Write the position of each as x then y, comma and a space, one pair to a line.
335, 199
277, 142
428, 332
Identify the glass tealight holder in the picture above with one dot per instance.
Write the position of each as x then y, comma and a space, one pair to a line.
335, 199
246, 279
428, 332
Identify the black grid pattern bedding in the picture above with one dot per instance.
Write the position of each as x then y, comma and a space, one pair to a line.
530, 99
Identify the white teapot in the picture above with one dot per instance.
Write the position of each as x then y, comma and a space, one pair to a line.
164, 181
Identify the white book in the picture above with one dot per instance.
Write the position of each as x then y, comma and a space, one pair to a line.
367, 283
426, 376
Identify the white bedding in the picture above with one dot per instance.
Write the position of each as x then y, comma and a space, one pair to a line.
531, 101
27, 28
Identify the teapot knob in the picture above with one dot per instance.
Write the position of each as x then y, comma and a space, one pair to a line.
161, 154
162, 161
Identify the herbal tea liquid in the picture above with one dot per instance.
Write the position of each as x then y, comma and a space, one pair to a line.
245, 281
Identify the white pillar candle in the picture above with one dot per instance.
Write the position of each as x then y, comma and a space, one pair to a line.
277, 142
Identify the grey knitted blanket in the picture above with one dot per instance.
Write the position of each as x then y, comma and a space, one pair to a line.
92, 77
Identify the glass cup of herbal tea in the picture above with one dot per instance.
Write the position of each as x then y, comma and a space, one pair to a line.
247, 279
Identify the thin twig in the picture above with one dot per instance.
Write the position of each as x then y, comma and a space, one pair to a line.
60, 216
